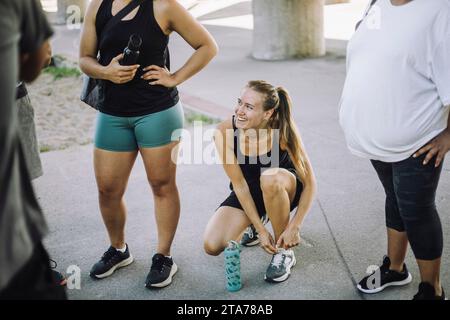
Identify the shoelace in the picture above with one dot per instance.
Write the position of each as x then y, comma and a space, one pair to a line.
53, 264
158, 264
108, 255
249, 232
278, 259
60, 278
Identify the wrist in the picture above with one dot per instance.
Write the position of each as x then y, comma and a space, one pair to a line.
260, 228
104, 73
175, 79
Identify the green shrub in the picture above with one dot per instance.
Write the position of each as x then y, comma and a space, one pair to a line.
62, 72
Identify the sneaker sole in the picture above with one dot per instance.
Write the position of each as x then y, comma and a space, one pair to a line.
283, 277
251, 243
390, 284
122, 264
166, 282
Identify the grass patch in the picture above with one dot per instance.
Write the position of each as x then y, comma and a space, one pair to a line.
62, 72
44, 148
191, 117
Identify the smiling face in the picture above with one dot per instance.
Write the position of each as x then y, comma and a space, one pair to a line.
249, 110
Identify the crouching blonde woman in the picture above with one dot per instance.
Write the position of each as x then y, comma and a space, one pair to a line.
270, 175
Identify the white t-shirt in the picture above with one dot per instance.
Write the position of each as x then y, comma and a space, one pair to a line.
397, 91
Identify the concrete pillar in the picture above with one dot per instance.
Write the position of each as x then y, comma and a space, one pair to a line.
286, 29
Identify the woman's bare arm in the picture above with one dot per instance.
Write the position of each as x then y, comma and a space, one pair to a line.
178, 19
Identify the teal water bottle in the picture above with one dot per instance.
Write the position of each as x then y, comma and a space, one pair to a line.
233, 266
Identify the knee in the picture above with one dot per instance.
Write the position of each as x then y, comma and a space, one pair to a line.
271, 183
110, 192
212, 248
418, 215
162, 187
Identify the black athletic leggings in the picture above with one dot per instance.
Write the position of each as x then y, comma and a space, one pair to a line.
410, 203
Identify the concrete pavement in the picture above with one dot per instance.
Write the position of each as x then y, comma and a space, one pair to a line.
344, 232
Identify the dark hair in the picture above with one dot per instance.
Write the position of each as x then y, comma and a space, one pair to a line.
278, 98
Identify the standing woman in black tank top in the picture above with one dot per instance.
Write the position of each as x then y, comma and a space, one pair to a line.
270, 174
139, 112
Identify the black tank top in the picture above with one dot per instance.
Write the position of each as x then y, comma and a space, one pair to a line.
137, 97
253, 166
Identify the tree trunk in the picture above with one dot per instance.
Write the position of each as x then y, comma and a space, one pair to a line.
286, 29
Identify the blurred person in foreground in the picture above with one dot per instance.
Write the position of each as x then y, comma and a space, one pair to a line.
28, 138
25, 272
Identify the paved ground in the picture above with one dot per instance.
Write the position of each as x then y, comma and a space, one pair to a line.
344, 232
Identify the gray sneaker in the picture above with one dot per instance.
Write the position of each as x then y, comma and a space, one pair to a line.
250, 237
280, 267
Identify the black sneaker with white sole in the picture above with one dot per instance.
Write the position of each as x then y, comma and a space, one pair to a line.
383, 277
111, 260
280, 267
161, 272
427, 292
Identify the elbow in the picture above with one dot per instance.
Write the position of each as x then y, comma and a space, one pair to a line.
81, 63
214, 48
314, 190
313, 186
211, 48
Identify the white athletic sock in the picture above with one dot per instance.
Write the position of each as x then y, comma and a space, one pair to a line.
122, 249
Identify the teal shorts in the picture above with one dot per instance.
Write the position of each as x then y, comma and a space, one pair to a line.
123, 134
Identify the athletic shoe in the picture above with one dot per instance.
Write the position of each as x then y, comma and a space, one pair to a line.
280, 267
58, 277
161, 272
427, 292
111, 260
382, 277
250, 237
